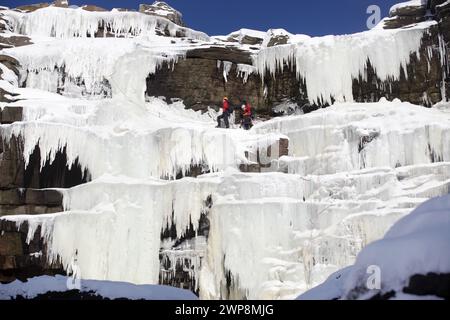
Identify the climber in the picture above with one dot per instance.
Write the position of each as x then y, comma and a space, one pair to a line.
247, 115
225, 113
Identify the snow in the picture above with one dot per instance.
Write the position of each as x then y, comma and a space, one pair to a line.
291, 38
416, 244
111, 290
240, 34
329, 64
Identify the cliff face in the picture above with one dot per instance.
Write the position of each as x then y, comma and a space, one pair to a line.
207, 70
199, 80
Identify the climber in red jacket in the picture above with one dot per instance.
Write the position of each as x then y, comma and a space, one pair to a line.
247, 115
225, 113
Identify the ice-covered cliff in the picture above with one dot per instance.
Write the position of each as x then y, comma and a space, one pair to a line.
413, 260
152, 192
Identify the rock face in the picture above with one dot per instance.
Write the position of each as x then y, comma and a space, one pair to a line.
29, 201
162, 9
423, 84
21, 192
404, 16
442, 9
20, 259
209, 86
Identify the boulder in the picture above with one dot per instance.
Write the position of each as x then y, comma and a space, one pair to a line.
403, 15
276, 37
162, 9
61, 3
412, 10
246, 36
431, 284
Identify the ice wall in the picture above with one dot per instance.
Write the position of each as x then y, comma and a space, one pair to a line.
290, 232
329, 64
112, 226
65, 64
69, 23
351, 137
273, 234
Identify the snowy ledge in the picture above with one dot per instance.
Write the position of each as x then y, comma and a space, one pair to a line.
39, 286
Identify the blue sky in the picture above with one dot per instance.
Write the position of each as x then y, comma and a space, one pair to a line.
312, 17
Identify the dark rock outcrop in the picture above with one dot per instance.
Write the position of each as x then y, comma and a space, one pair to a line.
277, 38
404, 16
243, 38
431, 284
30, 201
422, 85
162, 9
200, 82
22, 259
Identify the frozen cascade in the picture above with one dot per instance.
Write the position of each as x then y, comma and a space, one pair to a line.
329, 64
387, 134
121, 225
84, 60
69, 23
312, 225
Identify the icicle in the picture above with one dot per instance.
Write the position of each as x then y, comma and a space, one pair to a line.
244, 71
445, 66
226, 69
329, 64
69, 23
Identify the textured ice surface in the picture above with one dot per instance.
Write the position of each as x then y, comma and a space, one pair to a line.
415, 245
69, 23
